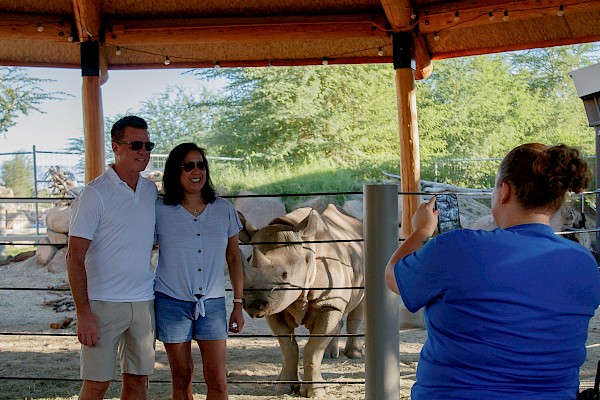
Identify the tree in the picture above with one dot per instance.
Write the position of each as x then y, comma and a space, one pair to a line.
345, 114
21, 94
17, 174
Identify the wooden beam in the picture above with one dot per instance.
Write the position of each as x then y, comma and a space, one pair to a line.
442, 16
515, 47
220, 30
398, 14
88, 17
35, 27
424, 67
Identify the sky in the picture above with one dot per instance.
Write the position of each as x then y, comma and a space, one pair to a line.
124, 91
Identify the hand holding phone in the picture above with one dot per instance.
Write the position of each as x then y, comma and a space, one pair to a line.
449, 216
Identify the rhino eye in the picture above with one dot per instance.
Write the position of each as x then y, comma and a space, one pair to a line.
284, 275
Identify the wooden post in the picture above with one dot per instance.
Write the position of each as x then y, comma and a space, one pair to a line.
93, 127
93, 119
410, 165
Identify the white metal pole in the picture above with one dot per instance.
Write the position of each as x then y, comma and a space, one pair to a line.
382, 321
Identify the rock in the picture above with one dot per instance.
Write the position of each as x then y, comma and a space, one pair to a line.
259, 211
56, 237
319, 203
8, 192
59, 261
17, 221
58, 218
354, 208
45, 253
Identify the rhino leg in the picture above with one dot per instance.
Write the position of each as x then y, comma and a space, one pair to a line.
333, 349
325, 322
354, 345
289, 352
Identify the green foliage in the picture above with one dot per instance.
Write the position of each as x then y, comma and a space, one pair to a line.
17, 174
297, 115
174, 116
21, 94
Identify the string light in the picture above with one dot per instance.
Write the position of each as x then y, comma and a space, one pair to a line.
380, 52
561, 11
436, 37
325, 62
456, 17
217, 65
413, 15
40, 28
270, 63
118, 51
70, 38
505, 17
167, 61
491, 16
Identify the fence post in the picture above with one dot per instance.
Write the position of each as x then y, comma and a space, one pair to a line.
35, 192
382, 320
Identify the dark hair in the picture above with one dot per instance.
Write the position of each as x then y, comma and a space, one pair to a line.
542, 175
172, 175
118, 129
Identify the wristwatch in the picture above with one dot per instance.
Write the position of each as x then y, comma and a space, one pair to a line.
242, 301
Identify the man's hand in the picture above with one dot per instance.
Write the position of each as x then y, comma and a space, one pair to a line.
87, 329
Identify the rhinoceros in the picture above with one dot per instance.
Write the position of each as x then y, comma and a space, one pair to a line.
308, 270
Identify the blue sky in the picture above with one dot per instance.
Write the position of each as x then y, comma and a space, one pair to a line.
63, 119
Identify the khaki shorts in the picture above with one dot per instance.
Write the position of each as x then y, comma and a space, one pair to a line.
126, 329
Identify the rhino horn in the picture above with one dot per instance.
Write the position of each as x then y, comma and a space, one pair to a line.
260, 259
247, 231
308, 226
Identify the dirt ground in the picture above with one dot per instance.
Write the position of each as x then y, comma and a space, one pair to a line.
29, 361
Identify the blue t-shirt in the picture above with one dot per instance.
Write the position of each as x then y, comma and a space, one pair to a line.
507, 313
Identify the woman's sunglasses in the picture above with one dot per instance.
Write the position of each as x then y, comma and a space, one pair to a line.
188, 166
137, 144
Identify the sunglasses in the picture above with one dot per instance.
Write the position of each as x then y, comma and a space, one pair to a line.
137, 144
188, 166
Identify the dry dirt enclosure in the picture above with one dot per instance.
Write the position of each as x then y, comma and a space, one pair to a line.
254, 359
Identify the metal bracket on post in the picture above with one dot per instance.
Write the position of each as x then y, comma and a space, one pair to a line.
90, 58
403, 50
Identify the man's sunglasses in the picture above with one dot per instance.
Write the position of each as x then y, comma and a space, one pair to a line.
188, 166
137, 144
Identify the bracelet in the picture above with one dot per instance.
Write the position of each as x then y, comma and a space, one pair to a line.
241, 301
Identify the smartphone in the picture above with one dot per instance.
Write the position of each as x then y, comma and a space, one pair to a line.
449, 217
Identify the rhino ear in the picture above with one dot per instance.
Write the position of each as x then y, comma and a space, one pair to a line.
308, 226
247, 231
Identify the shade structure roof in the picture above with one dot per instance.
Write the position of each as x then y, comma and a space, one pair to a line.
136, 34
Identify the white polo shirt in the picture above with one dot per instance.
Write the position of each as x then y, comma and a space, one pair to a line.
120, 224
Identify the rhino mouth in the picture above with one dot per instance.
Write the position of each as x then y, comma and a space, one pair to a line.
257, 308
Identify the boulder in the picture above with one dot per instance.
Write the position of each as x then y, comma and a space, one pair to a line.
57, 237
8, 192
354, 208
259, 211
318, 203
45, 252
58, 218
59, 261
17, 221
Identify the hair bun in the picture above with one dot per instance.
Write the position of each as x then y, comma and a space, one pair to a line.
563, 169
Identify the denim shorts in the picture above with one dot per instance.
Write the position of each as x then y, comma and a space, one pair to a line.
175, 320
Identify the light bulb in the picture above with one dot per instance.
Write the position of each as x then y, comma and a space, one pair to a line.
325, 62
561, 11
40, 28
167, 61
505, 17
380, 52
436, 37
70, 38
413, 15
217, 65
491, 16
270, 63
456, 17
118, 51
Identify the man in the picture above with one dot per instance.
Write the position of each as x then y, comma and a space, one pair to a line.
108, 263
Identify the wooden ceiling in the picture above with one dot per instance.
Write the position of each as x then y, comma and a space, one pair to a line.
136, 34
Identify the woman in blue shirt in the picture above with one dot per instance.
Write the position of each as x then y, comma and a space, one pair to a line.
197, 233
507, 311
